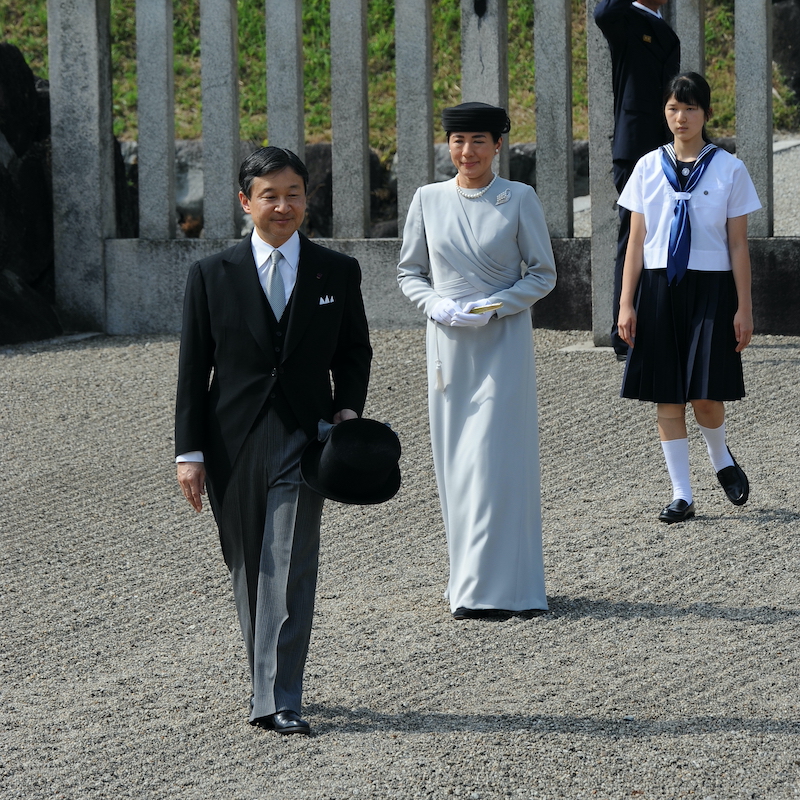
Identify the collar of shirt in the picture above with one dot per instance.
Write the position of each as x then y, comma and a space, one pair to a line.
290, 250
648, 10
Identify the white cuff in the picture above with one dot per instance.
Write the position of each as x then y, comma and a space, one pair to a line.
194, 455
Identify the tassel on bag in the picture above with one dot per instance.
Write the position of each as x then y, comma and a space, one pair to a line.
439, 374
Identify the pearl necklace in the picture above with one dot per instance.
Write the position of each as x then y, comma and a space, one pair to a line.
479, 193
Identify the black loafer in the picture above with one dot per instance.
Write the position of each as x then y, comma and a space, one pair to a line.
284, 722
677, 511
735, 483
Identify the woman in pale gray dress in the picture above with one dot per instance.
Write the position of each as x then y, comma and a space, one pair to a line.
474, 241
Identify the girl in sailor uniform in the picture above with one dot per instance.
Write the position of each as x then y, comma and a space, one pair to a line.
686, 309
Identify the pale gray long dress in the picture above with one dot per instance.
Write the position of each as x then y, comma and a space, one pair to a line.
482, 383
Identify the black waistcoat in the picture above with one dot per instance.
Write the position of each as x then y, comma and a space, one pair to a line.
277, 398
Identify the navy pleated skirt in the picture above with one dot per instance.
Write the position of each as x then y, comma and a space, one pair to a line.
685, 345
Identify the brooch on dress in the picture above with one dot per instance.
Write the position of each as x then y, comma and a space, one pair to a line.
503, 197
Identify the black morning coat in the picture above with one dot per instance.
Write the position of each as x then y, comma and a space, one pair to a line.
230, 366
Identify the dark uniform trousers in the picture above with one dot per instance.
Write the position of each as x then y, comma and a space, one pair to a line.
621, 173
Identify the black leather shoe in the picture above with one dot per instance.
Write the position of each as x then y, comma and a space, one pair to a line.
482, 613
677, 511
735, 483
284, 722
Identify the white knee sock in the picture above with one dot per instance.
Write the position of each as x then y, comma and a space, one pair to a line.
676, 454
717, 449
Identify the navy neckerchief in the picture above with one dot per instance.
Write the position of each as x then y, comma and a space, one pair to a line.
680, 232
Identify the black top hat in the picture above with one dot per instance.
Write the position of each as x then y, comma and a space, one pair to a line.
356, 463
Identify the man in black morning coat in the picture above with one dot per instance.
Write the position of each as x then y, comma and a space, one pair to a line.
254, 381
645, 55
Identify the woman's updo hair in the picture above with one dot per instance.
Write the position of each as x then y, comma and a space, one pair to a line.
476, 117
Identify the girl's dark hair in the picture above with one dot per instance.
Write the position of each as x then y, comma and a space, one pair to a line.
690, 88
266, 160
693, 89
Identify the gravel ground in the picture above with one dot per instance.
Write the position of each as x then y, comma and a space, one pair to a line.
667, 667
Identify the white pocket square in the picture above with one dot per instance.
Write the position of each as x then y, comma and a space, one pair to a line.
324, 301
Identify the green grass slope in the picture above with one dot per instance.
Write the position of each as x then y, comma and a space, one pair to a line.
25, 25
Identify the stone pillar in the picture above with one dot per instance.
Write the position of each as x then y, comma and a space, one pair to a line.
484, 59
687, 18
220, 88
605, 218
349, 117
413, 63
155, 72
553, 59
754, 104
82, 156
285, 99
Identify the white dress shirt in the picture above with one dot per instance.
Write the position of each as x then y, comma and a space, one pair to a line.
290, 250
648, 10
262, 252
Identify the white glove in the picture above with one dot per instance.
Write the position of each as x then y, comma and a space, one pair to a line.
463, 319
443, 311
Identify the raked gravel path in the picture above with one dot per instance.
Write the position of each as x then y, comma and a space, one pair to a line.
668, 666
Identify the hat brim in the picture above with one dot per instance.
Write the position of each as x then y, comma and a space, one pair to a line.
309, 472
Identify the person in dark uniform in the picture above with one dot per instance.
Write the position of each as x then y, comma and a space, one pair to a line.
645, 56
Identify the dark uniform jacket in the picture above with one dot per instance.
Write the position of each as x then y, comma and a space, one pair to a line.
645, 56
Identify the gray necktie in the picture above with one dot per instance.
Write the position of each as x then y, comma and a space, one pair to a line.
276, 291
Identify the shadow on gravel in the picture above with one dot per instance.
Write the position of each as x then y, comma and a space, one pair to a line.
782, 515
785, 516
579, 607
339, 720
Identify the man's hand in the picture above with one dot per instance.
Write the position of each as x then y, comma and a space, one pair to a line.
345, 413
192, 478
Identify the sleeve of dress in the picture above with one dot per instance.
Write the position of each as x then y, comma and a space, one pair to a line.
536, 254
743, 198
413, 271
